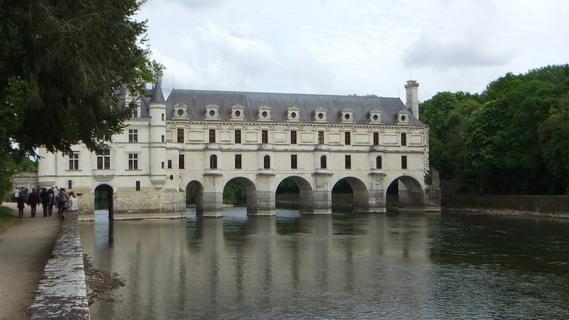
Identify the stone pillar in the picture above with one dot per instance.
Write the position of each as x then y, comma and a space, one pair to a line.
433, 194
377, 192
265, 194
322, 193
213, 194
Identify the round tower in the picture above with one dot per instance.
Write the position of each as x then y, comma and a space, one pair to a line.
157, 145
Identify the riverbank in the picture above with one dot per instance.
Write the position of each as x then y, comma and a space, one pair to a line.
7, 218
503, 212
24, 250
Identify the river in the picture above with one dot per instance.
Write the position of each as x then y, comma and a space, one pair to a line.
344, 266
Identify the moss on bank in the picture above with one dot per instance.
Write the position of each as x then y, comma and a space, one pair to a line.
7, 220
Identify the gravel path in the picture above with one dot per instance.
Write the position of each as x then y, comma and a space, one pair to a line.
24, 251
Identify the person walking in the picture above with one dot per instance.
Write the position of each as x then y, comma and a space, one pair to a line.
43, 198
21, 200
72, 202
33, 200
50, 202
62, 202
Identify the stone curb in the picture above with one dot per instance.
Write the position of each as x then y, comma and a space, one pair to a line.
62, 292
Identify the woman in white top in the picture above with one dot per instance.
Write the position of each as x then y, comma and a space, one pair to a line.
72, 202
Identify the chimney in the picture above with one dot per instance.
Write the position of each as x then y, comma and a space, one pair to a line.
412, 100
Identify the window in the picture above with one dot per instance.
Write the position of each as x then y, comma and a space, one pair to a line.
264, 136
294, 161
378, 162
267, 162
133, 161
348, 162
69, 184
403, 139
133, 135
320, 137
169, 164
162, 138
162, 164
237, 135
211, 135
403, 162
162, 117
213, 161
347, 138
180, 135
104, 160
293, 137
238, 164
74, 160
137, 185
323, 163
135, 112
181, 162
376, 138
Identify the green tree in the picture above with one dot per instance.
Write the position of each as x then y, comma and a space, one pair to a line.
63, 66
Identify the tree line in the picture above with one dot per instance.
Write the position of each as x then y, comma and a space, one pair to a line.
513, 138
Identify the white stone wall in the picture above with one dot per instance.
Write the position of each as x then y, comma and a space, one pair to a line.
162, 188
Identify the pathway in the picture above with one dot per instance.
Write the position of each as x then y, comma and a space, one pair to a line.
24, 251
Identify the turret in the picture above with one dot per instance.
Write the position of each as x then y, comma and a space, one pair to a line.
412, 99
157, 148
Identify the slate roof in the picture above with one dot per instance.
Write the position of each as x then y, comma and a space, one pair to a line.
197, 100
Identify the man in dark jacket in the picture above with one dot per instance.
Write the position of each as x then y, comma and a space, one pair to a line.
44, 196
33, 199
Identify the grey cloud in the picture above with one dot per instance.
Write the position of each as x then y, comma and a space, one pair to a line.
462, 50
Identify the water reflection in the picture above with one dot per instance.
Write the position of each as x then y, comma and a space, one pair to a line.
342, 266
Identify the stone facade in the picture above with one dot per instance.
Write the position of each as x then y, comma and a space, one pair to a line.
210, 138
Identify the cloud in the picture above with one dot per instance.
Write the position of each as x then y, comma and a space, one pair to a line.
469, 49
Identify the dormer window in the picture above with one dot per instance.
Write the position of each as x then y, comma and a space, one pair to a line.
237, 113
264, 113
347, 116
375, 116
180, 111
320, 115
403, 117
293, 114
212, 112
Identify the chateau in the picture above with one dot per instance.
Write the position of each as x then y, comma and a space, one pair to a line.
205, 139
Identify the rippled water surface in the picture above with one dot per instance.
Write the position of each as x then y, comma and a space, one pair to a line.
401, 266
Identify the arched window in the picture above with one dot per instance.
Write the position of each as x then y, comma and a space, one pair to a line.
213, 161
378, 162
323, 163
267, 162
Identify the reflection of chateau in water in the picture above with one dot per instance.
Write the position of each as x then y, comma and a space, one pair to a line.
201, 141
256, 261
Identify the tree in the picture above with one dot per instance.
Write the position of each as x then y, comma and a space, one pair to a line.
510, 138
63, 67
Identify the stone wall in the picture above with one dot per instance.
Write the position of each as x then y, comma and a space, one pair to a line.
62, 293
551, 205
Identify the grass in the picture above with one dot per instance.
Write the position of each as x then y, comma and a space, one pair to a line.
6, 219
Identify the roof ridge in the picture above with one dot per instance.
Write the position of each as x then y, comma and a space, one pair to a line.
279, 93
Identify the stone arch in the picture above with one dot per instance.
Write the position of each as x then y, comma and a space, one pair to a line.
250, 196
194, 196
405, 192
302, 199
357, 198
103, 199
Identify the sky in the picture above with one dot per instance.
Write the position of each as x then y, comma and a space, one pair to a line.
352, 47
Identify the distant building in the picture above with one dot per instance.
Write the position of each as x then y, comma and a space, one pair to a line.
204, 139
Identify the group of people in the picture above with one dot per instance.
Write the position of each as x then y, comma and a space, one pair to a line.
47, 198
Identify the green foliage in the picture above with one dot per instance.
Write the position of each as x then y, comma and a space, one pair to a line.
7, 219
63, 65
507, 140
